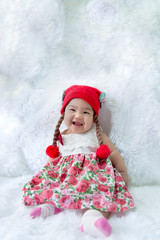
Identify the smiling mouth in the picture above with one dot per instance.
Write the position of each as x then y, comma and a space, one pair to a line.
77, 124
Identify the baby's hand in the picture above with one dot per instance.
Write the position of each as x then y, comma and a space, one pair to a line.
125, 177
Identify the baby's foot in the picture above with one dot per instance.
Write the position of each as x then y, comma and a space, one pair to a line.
44, 211
95, 224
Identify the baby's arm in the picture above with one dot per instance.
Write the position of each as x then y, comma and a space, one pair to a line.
116, 158
50, 159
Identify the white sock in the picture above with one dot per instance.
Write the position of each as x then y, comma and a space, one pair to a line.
95, 224
44, 211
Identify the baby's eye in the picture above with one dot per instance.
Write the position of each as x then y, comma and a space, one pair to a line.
86, 112
72, 109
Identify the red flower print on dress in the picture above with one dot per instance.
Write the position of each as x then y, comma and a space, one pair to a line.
55, 161
72, 180
131, 204
124, 209
47, 182
47, 165
76, 205
83, 186
64, 201
101, 178
97, 203
118, 179
28, 201
36, 180
111, 207
38, 199
52, 174
92, 168
36, 188
125, 188
54, 185
46, 193
71, 163
92, 181
120, 201
102, 164
62, 177
86, 163
102, 187
109, 170
73, 171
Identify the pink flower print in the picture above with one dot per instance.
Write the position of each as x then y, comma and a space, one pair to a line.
46, 194
102, 188
55, 161
64, 201
28, 201
83, 186
124, 209
36, 188
118, 179
102, 164
25, 189
62, 177
71, 163
79, 171
111, 207
76, 205
92, 181
120, 201
38, 199
86, 163
87, 200
101, 179
56, 168
47, 182
125, 188
64, 170
47, 165
72, 180
92, 168
52, 174
131, 204
38, 174
36, 180
54, 185
73, 171
109, 170
97, 203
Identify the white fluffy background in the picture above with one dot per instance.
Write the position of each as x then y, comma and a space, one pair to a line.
46, 46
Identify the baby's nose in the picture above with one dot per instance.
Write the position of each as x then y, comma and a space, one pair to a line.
78, 115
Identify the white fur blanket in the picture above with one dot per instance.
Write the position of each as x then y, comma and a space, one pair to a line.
46, 46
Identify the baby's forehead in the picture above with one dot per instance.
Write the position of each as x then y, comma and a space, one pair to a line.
78, 102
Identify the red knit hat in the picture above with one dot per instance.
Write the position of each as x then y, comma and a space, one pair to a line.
90, 94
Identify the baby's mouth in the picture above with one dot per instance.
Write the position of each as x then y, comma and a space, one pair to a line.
77, 124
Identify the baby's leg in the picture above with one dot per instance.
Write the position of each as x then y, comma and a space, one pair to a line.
44, 211
95, 223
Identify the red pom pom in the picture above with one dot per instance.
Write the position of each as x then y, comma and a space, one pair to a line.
103, 152
52, 151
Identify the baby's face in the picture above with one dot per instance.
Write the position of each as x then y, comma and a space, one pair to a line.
78, 116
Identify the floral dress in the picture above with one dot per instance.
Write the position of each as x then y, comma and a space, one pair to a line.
78, 180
